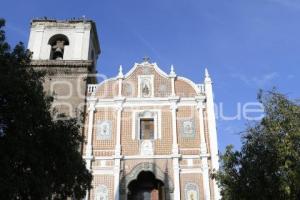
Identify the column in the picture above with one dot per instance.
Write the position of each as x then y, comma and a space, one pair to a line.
203, 153
118, 151
211, 122
175, 152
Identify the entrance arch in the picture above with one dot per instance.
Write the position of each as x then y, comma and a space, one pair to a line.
146, 187
151, 174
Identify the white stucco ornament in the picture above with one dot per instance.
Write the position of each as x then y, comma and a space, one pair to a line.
147, 147
104, 130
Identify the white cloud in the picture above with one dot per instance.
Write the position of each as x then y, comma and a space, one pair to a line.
257, 81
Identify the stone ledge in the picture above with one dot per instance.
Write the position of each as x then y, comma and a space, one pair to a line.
60, 63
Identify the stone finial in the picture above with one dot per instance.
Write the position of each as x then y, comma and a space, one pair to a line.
207, 77
172, 68
172, 72
206, 73
120, 75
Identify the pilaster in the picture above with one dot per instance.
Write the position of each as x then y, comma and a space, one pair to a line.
203, 150
175, 151
211, 122
89, 149
119, 107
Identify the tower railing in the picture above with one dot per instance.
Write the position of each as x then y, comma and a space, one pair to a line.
201, 88
91, 88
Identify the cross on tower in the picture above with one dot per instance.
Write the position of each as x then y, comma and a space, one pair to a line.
146, 59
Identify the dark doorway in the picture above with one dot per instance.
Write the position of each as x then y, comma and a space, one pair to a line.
146, 187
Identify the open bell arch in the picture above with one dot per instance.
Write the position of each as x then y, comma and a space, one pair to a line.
57, 43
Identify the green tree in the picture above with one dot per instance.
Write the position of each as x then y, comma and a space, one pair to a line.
39, 157
268, 164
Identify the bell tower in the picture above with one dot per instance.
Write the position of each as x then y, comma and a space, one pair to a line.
67, 50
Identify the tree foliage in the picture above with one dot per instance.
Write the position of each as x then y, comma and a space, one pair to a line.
39, 157
268, 164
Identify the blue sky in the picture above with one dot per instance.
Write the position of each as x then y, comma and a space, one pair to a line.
246, 45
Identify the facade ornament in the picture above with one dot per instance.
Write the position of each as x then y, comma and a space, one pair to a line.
172, 72
147, 147
120, 75
191, 191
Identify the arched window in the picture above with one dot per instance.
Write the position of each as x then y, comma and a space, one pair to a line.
58, 43
101, 193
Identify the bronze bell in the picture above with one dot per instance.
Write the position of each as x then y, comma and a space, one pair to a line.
59, 50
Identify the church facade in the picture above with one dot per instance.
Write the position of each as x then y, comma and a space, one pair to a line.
148, 134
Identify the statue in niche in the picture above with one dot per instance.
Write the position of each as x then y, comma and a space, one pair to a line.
146, 88
192, 195
191, 191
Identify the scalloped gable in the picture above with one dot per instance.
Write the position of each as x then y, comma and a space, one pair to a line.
162, 83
